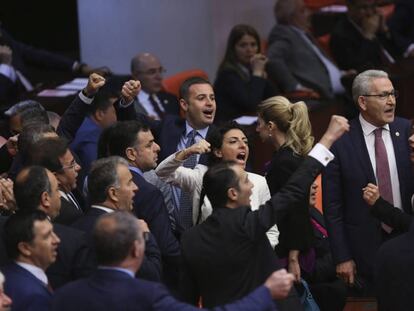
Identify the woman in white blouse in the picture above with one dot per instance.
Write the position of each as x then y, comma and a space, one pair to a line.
228, 143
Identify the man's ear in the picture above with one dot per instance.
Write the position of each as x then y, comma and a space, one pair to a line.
183, 105
131, 154
24, 248
362, 104
111, 193
98, 115
232, 194
45, 199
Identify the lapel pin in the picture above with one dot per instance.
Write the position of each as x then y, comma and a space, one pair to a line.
397, 134
165, 101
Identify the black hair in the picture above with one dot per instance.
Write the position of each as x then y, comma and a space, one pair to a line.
185, 86
47, 151
19, 228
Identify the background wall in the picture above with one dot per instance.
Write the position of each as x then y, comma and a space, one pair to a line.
184, 34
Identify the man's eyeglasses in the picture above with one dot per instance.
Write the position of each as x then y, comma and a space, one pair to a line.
153, 71
384, 96
71, 165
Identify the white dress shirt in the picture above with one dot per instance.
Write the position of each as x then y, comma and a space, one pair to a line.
36, 271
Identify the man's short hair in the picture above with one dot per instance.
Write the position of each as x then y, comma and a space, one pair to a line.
19, 228
21, 106
185, 86
284, 10
34, 115
363, 82
124, 135
31, 182
47, 151
217, 180
102, 100
114, 235
103, 175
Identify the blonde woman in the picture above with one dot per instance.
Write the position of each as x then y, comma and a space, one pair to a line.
287, 128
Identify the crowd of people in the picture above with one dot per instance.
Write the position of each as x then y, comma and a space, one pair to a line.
134, 199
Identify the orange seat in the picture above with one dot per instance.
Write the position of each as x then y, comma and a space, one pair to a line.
318, 203
172, 83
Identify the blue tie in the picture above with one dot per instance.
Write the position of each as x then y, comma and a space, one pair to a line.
186, 204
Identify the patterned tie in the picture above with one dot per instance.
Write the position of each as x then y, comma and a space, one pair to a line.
186, 204
383, 172
157, 108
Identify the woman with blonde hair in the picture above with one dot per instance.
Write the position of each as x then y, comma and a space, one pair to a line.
287, 128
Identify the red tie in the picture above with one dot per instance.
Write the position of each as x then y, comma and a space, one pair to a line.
383, 171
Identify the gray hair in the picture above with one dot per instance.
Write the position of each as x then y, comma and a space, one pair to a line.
284, 11
21, 106
363, 82
114, 234
103, 175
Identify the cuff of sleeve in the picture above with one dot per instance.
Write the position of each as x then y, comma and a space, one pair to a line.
124, 104
8, 71
322, 154
409, 50
85, 99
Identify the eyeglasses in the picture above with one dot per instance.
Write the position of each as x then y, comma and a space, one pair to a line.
384, 96
71, 165
153, 71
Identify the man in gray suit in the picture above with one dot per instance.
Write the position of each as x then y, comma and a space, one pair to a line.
296, 63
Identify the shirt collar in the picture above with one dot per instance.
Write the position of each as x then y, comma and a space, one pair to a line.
136, 170
202, 132
143, 96
129, 272
103, 208
368, 128
36, 271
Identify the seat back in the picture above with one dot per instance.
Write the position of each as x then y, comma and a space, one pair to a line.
172, 83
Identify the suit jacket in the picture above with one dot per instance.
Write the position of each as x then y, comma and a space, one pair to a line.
391, 215
292, 61
393, 272
295, 229
237, 96
27, 292
69, 213
116, 290
151, 265
74, 259
401, 24
24, 54
168, 101
353, 232
149, 205
229, 254
352, 51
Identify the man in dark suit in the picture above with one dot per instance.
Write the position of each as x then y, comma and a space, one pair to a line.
32, 244
135, 143
229, 254
401, 24
367, 154
54, 154
151, 100
361, 39
296, 63
37, 188
111, 188
119, 250
173, 133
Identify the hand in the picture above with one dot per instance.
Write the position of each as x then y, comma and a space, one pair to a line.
7, 201
130, 90
143, 225
336, 128
411, 143
346, 271
258, 64
203, 146
294, 268
11, 145
95, 82
370, 194
6, 55
279, 284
